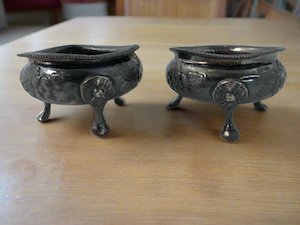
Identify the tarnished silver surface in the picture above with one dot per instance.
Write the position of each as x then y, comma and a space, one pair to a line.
81, 74
226, 75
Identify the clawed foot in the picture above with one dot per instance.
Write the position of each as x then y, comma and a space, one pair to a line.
100, 129
230, 134
174, 104
120, 101
260, 106
45, 114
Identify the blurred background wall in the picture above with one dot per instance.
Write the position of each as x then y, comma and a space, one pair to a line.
2, 16
22, 17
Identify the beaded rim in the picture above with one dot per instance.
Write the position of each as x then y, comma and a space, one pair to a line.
105, 53
208, 51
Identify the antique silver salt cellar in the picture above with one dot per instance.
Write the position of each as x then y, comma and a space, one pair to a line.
226, 75
81, 74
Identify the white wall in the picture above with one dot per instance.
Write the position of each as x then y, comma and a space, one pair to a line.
71, 10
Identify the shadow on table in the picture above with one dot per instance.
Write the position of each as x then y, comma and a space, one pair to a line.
192, 120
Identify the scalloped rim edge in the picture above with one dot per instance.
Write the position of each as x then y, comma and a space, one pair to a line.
43, 54
200, 51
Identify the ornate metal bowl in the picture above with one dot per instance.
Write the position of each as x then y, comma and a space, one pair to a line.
81, 74
226, 75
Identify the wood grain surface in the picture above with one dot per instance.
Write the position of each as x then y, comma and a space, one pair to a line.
156, 166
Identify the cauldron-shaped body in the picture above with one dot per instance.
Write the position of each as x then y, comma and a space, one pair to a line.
81, 74
227, 75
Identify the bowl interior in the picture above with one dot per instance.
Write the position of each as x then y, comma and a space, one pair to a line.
229, 50
78, 50
227, 54
83, 54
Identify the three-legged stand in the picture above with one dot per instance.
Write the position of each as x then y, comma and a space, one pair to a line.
99, 127
96, 91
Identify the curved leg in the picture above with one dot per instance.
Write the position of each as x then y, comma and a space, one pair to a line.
260, 106
230, 132
174, 104
228, 94
97, 90
100, 127
44, 115
120, 101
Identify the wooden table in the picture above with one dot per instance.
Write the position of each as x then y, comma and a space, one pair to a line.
156, 166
